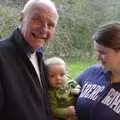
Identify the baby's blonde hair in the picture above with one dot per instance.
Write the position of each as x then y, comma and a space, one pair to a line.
54, 61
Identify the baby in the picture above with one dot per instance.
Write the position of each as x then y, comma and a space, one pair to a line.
62, 92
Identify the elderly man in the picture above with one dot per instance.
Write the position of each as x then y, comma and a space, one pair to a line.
23, 78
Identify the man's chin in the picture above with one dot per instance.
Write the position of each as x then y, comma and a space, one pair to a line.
40, 45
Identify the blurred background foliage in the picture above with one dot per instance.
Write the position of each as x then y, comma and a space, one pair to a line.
78, 21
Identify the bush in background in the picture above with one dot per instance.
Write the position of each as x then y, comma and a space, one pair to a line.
79, 19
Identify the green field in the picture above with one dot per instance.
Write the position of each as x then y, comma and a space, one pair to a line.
76, 67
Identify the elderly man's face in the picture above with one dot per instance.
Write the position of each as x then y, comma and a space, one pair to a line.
38, 26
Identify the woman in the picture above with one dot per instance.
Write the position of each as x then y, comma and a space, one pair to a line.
100, 94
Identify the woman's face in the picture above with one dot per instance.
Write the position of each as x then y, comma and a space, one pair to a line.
57, 75
108, 57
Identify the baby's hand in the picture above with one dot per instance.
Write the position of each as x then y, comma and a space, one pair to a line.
76, 90
71, 110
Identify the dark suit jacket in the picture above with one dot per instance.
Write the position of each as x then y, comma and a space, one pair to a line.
21, 96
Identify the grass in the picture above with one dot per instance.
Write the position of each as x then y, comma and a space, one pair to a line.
76, 67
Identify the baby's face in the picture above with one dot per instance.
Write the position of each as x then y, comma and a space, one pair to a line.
57, 75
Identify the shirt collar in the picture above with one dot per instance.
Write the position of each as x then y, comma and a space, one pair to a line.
24, 46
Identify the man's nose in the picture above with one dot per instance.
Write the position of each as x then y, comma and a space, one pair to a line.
43, 31
43, 28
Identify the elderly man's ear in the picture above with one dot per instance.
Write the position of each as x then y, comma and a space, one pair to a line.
21, 16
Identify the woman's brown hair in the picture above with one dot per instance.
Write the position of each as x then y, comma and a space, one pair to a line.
108, 35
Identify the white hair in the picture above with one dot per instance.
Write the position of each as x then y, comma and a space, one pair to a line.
30, 3
54, 61
28, 8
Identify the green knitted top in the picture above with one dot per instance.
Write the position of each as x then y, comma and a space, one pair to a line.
60, 99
